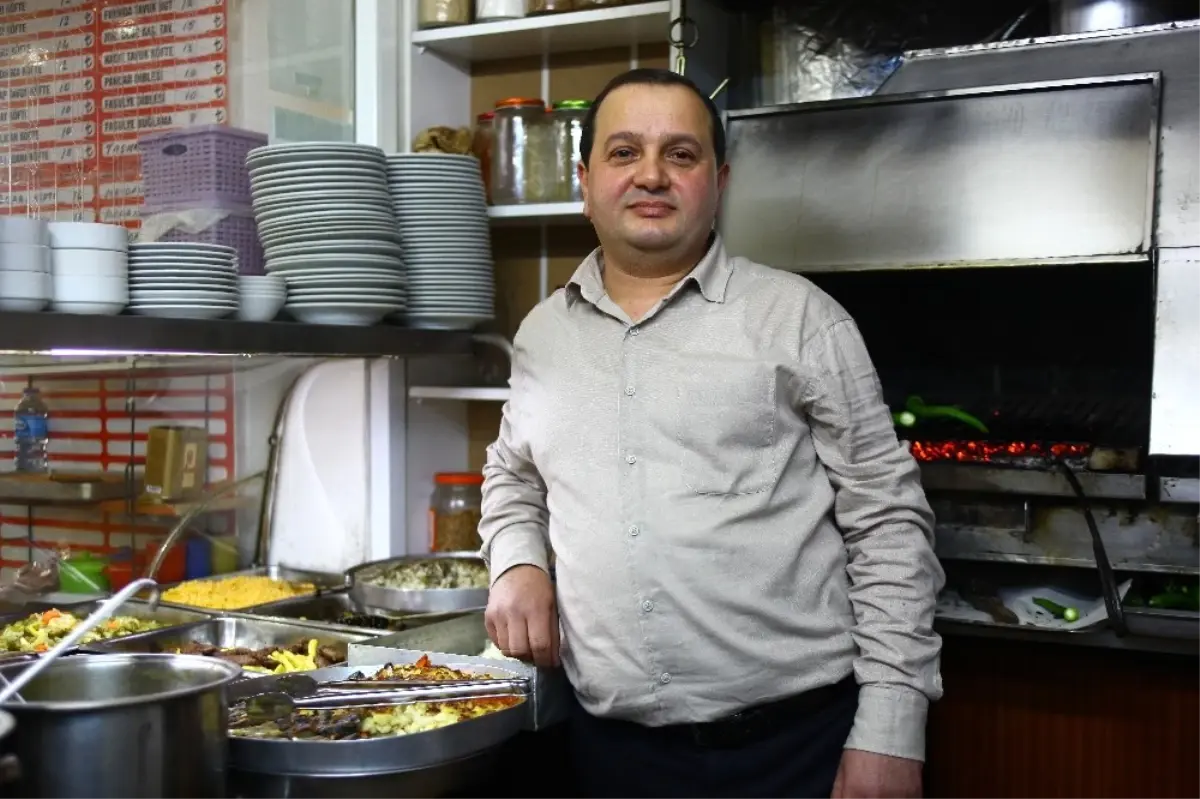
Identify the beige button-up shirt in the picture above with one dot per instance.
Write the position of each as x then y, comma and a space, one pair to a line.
733, 518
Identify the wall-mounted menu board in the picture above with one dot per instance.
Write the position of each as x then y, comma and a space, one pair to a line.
990, 176
81, 80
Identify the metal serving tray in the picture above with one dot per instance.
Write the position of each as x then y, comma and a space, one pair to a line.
172, 616
323, 581
323, 608
373, 756
229, 633
459, 641
428, 600
1161, 623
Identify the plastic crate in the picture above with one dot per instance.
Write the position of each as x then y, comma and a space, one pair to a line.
197, 167
237, 230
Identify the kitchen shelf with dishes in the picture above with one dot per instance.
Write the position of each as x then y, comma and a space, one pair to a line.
604, 26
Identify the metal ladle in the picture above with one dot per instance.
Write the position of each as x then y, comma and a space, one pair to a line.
12, 688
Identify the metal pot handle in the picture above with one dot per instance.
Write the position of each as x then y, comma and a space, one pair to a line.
10, 769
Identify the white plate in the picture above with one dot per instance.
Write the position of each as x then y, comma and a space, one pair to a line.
184, 310
335, 247
447, 321
315, 172
349, 263
329, 211
295, 186
286, 200
189, 246
318, 152
199, 295
181, 263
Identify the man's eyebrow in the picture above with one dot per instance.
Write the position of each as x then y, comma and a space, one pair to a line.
620, 135
683, 138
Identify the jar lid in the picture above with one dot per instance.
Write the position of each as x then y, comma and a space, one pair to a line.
458, 478
572, 104
486, 116
519, 102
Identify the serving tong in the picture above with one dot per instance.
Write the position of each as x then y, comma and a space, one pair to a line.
300, 692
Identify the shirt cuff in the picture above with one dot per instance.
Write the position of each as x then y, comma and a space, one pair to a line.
890, 721
516, 546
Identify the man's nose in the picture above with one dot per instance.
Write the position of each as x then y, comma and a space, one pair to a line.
651, 175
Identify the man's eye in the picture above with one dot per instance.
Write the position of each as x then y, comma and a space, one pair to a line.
622, 152
683, 155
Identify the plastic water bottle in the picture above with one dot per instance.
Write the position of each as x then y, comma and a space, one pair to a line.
31, 429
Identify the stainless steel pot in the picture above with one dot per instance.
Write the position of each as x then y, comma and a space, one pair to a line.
1082, 16
122, 726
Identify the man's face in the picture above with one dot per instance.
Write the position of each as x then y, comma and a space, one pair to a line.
652, 182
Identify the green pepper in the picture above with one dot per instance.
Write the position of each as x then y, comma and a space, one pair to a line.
917, 407
1175, 600
1067, 614
904, 419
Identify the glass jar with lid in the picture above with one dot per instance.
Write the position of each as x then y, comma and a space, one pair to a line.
454, 512
440, 13
489, 10
566, 123
481, 146
550, 6
522, 152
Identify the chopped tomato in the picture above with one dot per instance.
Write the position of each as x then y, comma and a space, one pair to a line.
113, 624
40, 648
50, 616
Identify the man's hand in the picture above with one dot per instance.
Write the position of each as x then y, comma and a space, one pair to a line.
522, 616
866, 775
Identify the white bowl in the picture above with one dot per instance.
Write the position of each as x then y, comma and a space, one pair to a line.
258, 293
96, 308
24, 285
23, 230
24, 257
261, 282
88, 236
72, 263
90, 289
14, 304
258, 308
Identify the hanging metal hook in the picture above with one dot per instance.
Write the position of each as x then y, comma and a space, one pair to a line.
683, 39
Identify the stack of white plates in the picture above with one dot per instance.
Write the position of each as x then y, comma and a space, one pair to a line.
442, 216
182, 280
326, 224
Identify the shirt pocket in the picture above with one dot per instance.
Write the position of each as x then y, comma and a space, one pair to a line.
727, 427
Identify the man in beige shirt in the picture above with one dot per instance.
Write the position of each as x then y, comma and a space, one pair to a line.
745, 581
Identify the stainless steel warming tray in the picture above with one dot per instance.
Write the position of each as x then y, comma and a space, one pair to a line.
366, 757
321, 581
459, 642
337, 610
428, 600
230, 633
171, 617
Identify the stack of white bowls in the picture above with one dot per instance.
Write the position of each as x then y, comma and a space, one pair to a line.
260, 297
89, 267
24, 264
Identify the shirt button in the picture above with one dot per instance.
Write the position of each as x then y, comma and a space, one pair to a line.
647, 606
664, 678
630, 459
633, 529
633, 331
629, 391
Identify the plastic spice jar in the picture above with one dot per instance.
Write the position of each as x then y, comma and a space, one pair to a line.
486, 10
454, 512
439, 13
566, 125
550, 6
522, 152
481, 146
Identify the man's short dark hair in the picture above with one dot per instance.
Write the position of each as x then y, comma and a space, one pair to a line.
651, 77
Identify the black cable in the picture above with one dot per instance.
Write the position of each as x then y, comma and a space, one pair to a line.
1108, 580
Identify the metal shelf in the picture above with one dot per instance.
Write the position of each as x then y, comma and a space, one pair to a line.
537, 213
622, 26
58, 333
464, 393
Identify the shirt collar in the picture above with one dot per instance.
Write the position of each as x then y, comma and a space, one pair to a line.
711, 275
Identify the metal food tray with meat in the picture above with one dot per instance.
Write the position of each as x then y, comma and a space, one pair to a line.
170, 617
321, 581
459, 642
365, 757
227, 633
415, 600
337, 610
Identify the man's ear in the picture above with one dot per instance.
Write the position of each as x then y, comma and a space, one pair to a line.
581, 169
